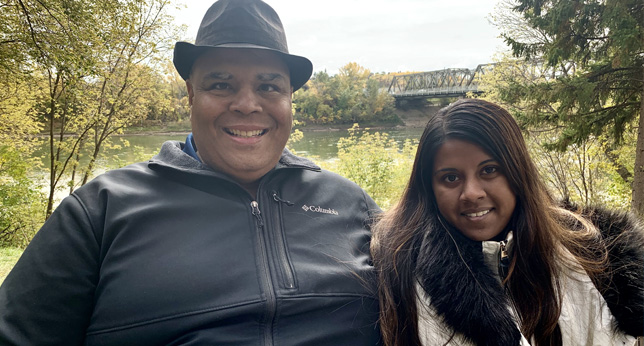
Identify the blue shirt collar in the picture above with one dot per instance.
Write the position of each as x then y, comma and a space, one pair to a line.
190, 148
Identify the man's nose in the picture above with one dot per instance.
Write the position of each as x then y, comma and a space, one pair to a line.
245, 101
473, 190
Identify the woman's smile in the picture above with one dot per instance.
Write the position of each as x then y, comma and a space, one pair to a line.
471, 191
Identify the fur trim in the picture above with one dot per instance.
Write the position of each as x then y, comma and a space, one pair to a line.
463, 290
623, 285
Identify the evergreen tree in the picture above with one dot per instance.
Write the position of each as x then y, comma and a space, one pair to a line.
596, 51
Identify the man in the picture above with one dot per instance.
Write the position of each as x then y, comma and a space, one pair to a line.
228, 239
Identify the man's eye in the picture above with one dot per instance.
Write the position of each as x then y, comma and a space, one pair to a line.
268, 88
219, 86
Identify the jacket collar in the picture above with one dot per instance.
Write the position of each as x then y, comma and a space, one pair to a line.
463, 290
173, 157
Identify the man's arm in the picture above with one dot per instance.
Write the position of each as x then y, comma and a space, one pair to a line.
48, 296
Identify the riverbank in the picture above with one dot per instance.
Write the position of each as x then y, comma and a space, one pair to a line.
411, 118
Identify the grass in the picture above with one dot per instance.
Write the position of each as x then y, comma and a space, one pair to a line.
8, 258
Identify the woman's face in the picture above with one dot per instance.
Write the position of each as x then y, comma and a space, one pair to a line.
471, 190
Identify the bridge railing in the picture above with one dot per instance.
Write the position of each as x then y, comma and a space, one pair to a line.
446, 82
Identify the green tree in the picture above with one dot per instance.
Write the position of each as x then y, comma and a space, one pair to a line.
590, 171
98, 61
171, 96
21, 209
595, 50
350, 96
314, 102
375, 162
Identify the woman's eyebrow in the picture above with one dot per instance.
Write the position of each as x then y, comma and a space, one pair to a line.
447, 169
486, 161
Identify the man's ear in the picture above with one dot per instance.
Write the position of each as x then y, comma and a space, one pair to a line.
191, 92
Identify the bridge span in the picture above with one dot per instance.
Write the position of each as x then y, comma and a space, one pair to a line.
450, 82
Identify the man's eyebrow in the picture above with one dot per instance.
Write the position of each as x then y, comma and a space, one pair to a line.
218, 75
267, 77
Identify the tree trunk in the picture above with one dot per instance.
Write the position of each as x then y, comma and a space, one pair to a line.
52, 162
637, 202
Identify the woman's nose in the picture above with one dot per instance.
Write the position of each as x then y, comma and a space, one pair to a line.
472, 190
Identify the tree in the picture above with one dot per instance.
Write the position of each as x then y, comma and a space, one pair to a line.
21, 209
591, 171
596, 52
314, 102
171, 96
375, 162
350, 96
98, 61
124, 88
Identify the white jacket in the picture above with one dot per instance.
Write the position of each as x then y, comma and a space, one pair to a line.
585, 317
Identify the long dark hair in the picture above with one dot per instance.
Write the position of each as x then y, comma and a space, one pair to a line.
539, 226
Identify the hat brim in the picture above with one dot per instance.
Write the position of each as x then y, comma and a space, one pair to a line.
185, 55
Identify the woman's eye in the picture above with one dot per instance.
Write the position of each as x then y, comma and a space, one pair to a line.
490, 169
450, 178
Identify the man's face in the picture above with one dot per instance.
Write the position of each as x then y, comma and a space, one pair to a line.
241, 111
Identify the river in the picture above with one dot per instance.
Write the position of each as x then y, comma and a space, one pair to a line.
319, 144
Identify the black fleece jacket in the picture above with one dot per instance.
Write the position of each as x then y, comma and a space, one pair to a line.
169, 252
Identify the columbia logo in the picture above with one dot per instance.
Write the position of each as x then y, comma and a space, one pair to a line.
319, 209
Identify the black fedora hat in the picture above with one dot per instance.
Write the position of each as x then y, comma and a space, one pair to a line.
241, 24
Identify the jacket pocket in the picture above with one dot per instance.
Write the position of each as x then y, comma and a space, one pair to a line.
281, 246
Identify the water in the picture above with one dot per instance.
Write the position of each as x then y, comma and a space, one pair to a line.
323, 144
319, 144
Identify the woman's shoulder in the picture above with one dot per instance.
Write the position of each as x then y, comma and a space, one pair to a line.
623, 281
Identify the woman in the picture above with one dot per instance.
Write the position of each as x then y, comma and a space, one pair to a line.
476, 252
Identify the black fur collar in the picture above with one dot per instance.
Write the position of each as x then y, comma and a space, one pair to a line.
467, 295
623, 287
463, 290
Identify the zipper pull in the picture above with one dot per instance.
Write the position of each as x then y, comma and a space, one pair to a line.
504, 260
255, 211
277, 198
504, 250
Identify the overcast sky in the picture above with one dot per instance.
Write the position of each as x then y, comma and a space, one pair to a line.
380, 35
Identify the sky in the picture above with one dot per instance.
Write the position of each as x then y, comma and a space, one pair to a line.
380, 35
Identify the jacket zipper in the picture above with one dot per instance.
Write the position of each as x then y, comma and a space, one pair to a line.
271, 303
503, 260
280, 243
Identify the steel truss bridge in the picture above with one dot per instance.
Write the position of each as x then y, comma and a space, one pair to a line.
450, 82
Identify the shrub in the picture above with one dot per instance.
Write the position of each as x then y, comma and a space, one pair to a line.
376, 162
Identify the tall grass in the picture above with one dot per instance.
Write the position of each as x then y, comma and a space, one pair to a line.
8, 258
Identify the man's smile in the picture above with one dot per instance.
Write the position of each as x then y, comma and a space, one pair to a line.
247, 134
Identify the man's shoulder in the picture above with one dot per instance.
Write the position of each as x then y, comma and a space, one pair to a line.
170, 155
315, 175
117, 179
336, 178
